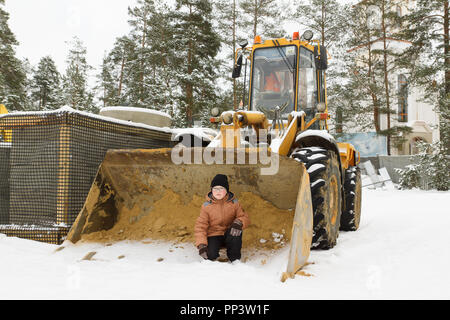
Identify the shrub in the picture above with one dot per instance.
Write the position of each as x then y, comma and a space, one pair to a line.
431, 169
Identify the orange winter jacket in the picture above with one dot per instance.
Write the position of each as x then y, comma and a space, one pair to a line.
272, 83
216, 216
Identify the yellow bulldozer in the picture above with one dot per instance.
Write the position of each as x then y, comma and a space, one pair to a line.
299, 186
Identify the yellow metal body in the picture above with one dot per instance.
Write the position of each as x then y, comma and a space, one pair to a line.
231, 135
348, 154
257, 120
5, 134
289, 138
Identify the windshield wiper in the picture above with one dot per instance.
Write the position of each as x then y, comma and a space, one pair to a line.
286, 61
282, 54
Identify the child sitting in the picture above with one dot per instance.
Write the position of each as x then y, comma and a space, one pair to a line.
221, 222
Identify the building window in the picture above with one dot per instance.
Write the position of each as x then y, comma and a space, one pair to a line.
399, 11
402, 98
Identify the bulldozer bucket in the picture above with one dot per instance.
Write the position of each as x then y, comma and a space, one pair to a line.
146, 195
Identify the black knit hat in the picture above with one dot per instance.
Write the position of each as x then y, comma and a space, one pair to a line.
220, 180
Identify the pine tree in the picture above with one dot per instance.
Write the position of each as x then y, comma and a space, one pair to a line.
389, 24
119, 58
328, 19
164, 47
12, 75
149, 56
428, 59
262, 17
195, 62
45, 85
115, 78
28, 84
139, 76
361, 84
227, 17
107, 84
77, 93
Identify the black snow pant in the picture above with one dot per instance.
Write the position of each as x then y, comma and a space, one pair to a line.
233, 245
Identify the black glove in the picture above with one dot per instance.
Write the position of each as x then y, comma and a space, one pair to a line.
236, 228
203, 251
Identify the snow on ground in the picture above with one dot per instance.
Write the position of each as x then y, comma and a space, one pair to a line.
401, 251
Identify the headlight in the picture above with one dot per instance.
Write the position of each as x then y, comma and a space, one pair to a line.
321, 107
308, 35
227, 117
215, 111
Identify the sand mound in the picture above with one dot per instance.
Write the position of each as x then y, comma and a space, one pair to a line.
171, 220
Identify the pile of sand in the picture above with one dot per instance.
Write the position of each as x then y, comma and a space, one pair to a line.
172, 220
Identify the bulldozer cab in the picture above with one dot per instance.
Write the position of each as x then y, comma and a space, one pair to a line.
273, 78
288, 74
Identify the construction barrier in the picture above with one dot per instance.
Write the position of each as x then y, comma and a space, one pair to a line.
52, 161
5, 150
390, 163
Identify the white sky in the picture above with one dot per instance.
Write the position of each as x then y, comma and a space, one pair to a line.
44, 26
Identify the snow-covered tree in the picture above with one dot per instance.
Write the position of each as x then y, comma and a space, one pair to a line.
12, 74
428, 58
141, 63
107, 84
227, 18
46, 91
195, 61
328, 19
138, 77
115, 80
77, 93
358, 97
262, 17
164, 48
430, 169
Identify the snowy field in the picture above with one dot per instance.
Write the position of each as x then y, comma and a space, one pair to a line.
401, 251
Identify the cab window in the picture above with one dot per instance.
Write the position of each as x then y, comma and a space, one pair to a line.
307, 82
273, 80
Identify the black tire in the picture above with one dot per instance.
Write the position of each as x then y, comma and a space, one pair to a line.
325, 183
351, 214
